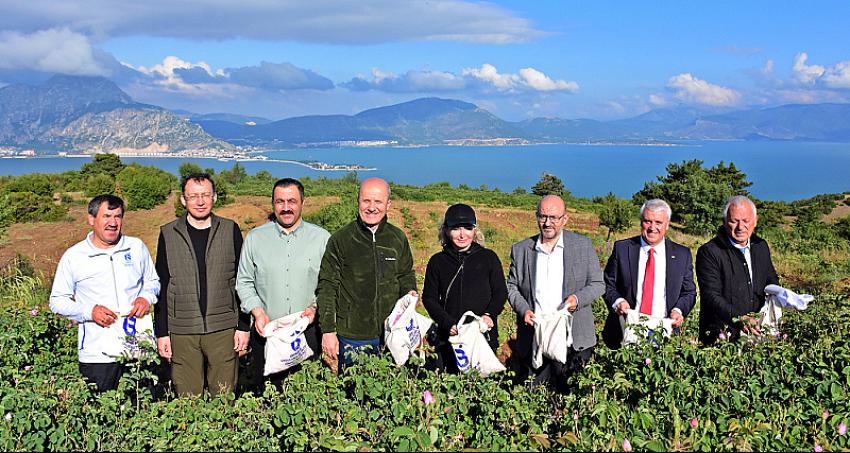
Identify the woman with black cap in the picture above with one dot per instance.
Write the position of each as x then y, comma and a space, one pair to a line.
463, 277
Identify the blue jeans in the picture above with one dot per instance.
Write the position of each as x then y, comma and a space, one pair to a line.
348, 348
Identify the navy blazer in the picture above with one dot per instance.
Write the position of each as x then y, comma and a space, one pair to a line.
621, 275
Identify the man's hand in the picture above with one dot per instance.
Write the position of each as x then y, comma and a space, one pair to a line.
103, 316
310, 314
623, 308
260, 320
453, 331
330, 345
140, 308
240, 341
488, 320
677, 318
572, 302
750, 325
529, 318
163, 347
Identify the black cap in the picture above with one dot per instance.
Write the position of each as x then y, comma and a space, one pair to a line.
460, 214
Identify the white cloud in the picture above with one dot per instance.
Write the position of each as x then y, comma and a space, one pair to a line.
484, 79
541, 82
804, 73
658, 100
528, 79
488, 73
319, 21
693, 90
54, 50
767, 69
838, 76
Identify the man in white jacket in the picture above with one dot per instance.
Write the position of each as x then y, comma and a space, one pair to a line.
101, 281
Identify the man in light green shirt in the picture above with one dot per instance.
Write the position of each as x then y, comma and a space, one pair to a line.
279, 271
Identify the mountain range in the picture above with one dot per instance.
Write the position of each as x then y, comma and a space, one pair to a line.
92, 114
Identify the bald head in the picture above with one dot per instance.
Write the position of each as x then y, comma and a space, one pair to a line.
373, 201
551, 217
552, 202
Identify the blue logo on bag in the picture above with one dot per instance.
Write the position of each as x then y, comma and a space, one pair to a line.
461, 358
296, 344
410, 326
130, 326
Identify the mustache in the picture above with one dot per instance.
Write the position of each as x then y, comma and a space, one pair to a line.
287, 212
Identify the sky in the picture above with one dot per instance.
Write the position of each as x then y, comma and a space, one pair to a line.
518, 59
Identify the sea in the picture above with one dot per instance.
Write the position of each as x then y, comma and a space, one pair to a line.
778, 170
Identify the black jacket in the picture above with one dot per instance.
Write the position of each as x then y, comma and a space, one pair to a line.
726, 291
479, 287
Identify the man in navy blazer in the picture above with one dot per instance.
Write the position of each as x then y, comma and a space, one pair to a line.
648, 273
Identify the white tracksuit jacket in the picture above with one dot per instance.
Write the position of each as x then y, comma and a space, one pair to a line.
115, 277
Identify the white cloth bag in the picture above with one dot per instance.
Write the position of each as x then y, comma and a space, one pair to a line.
777, 298
632, 334
472, 352
286, 344
553, 336
404, 329
125, 336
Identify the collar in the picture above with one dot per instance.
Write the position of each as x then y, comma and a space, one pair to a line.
294, 231
644, 246
539, 245
366, 229
739, 246
95, 251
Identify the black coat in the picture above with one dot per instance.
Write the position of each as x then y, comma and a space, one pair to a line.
726, 291
479, 287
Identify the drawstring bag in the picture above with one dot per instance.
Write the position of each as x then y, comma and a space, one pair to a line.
638, 327
553, 336
127, 334
286, 344
472, 352
405, 329
777, 298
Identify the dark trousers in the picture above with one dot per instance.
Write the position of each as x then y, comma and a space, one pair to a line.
258, 359
349, 348
446, 361
105, 376
555, 374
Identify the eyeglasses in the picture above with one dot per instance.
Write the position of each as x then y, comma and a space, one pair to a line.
198, 196
551, 218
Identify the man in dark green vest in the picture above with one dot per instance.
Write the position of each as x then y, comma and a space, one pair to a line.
198, 324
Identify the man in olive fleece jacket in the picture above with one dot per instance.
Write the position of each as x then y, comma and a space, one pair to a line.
366, 268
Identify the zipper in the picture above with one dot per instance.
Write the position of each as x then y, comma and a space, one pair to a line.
377, 277
115, 284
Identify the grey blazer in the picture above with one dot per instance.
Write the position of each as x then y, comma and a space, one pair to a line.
582, 277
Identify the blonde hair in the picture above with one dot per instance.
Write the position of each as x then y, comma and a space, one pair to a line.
444, 235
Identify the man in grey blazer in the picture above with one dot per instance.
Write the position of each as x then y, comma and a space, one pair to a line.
548, 271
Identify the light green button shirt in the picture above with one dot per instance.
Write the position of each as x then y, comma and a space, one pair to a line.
280, 271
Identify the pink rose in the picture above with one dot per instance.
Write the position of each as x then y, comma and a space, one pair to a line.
428, 398
694, 423
627, 446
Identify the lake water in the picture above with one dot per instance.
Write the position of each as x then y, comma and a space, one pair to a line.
778, 170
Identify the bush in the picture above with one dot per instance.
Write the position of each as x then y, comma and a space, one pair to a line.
697, 195
145, 187
29, 207
102, 184
103, 164
615, 213
549, 185
36, 183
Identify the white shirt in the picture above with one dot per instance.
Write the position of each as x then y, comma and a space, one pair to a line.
549, 277
659, 289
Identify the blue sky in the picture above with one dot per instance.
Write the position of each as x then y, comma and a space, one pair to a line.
276, 58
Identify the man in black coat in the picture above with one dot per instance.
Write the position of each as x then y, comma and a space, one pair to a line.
733, 270
661, 285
